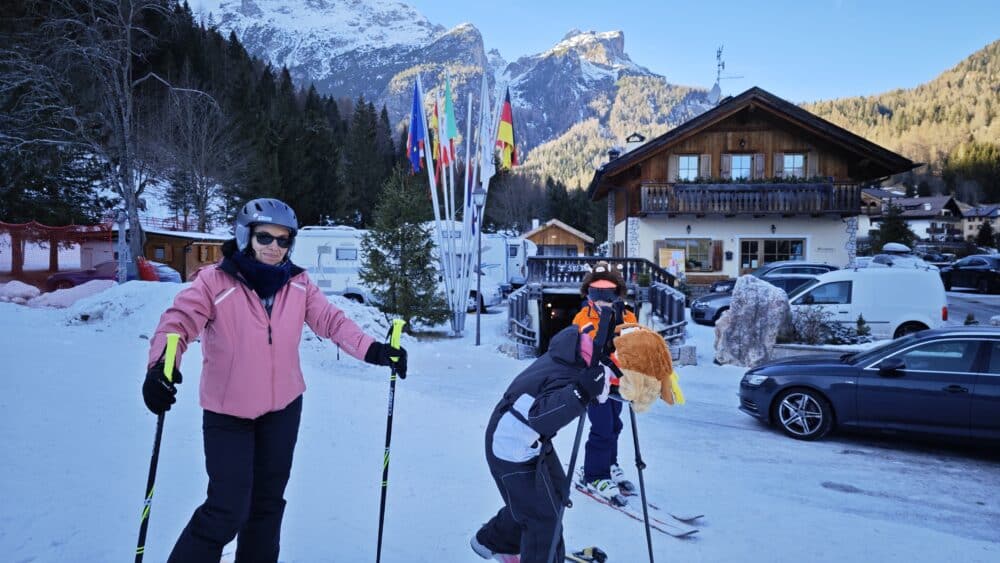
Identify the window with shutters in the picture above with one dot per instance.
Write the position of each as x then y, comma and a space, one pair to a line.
697, 253
794, 165
688, 167
741, 166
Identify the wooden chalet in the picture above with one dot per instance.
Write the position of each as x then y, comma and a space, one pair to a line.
755, 179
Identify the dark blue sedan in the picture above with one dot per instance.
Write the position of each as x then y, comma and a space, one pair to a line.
943, 382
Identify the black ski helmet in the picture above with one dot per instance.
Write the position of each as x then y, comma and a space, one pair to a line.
264, 210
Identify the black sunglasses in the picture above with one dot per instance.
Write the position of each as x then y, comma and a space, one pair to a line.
265, 239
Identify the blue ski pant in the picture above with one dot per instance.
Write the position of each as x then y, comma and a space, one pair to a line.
601, 450
532, 495
248, 463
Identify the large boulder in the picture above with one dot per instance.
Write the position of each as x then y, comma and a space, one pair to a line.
746, 333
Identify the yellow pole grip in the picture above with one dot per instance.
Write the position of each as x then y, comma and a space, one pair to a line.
397, 332
171, 354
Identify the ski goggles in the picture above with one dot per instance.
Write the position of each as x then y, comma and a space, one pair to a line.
606, 294
265, 239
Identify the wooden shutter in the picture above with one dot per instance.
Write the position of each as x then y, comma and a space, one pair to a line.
812, 164
716, 255
705, 166
673, 168
758, 166
727, 166
779, 165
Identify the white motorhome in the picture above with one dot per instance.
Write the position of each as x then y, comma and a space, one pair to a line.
505, 259
332, 256
894, 301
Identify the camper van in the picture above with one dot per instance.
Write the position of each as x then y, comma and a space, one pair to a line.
332, 256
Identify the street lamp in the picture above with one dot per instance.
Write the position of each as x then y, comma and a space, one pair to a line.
479, 199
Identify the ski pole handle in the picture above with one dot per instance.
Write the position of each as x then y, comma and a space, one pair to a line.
171, 354
396, 335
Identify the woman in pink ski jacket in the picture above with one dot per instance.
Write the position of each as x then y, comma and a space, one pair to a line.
249, 311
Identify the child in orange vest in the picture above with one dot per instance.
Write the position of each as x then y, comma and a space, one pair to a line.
602, 287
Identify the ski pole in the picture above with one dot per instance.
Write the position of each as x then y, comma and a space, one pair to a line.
569, 480
394, 336
168, 372
640, 465
604, 330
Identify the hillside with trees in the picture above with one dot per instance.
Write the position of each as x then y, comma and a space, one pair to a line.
951, 123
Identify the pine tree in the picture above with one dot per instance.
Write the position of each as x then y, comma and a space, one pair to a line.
893, 228
985, 236
398, 263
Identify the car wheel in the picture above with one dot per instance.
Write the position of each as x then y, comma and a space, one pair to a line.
909, 328
470, 306
64, 284
355, 298
803, 414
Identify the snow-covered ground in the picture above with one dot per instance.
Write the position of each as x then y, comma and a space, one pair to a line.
77, 439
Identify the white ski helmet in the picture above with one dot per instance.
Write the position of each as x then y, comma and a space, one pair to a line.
261, 211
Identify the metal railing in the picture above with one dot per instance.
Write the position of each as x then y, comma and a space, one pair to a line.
668, 304
519, 316
570, 270
751, 199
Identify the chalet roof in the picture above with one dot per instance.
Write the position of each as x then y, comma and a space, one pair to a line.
559, 225
921, 207
757, 97
988, 211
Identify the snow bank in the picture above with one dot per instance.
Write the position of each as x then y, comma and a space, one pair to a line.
63, 298
17, 292
145, 301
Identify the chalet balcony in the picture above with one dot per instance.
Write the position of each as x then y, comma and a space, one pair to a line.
751, 199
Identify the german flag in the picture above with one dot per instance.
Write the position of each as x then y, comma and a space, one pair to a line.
505, 136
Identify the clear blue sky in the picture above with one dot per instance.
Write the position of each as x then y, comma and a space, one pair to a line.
801, 50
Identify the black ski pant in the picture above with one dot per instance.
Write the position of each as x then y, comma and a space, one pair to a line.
248, 463
532, 496
601, 450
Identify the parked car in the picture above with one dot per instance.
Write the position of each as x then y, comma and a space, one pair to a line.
894, 302
780, 267
104, 271
943, 382
708, 308
979, 271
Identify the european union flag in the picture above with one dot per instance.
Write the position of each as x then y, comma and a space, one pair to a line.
415, 135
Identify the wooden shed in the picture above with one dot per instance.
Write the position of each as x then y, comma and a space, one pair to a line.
555, 238
183, 251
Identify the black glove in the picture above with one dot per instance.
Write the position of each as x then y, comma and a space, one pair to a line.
591, 382
378, 353
157, 392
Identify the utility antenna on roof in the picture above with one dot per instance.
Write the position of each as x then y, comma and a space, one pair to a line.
720, 65
715, 94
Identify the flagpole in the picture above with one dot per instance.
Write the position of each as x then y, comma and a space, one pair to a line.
446, 249
432, 180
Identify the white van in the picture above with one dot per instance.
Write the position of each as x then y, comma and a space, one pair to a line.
893, 301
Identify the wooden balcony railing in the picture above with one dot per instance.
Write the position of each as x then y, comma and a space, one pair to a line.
751, 199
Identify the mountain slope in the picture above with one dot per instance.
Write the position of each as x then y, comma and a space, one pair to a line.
927, 122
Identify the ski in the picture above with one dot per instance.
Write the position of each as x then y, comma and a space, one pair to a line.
626, 493
588, 554
687, 518
676, 530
